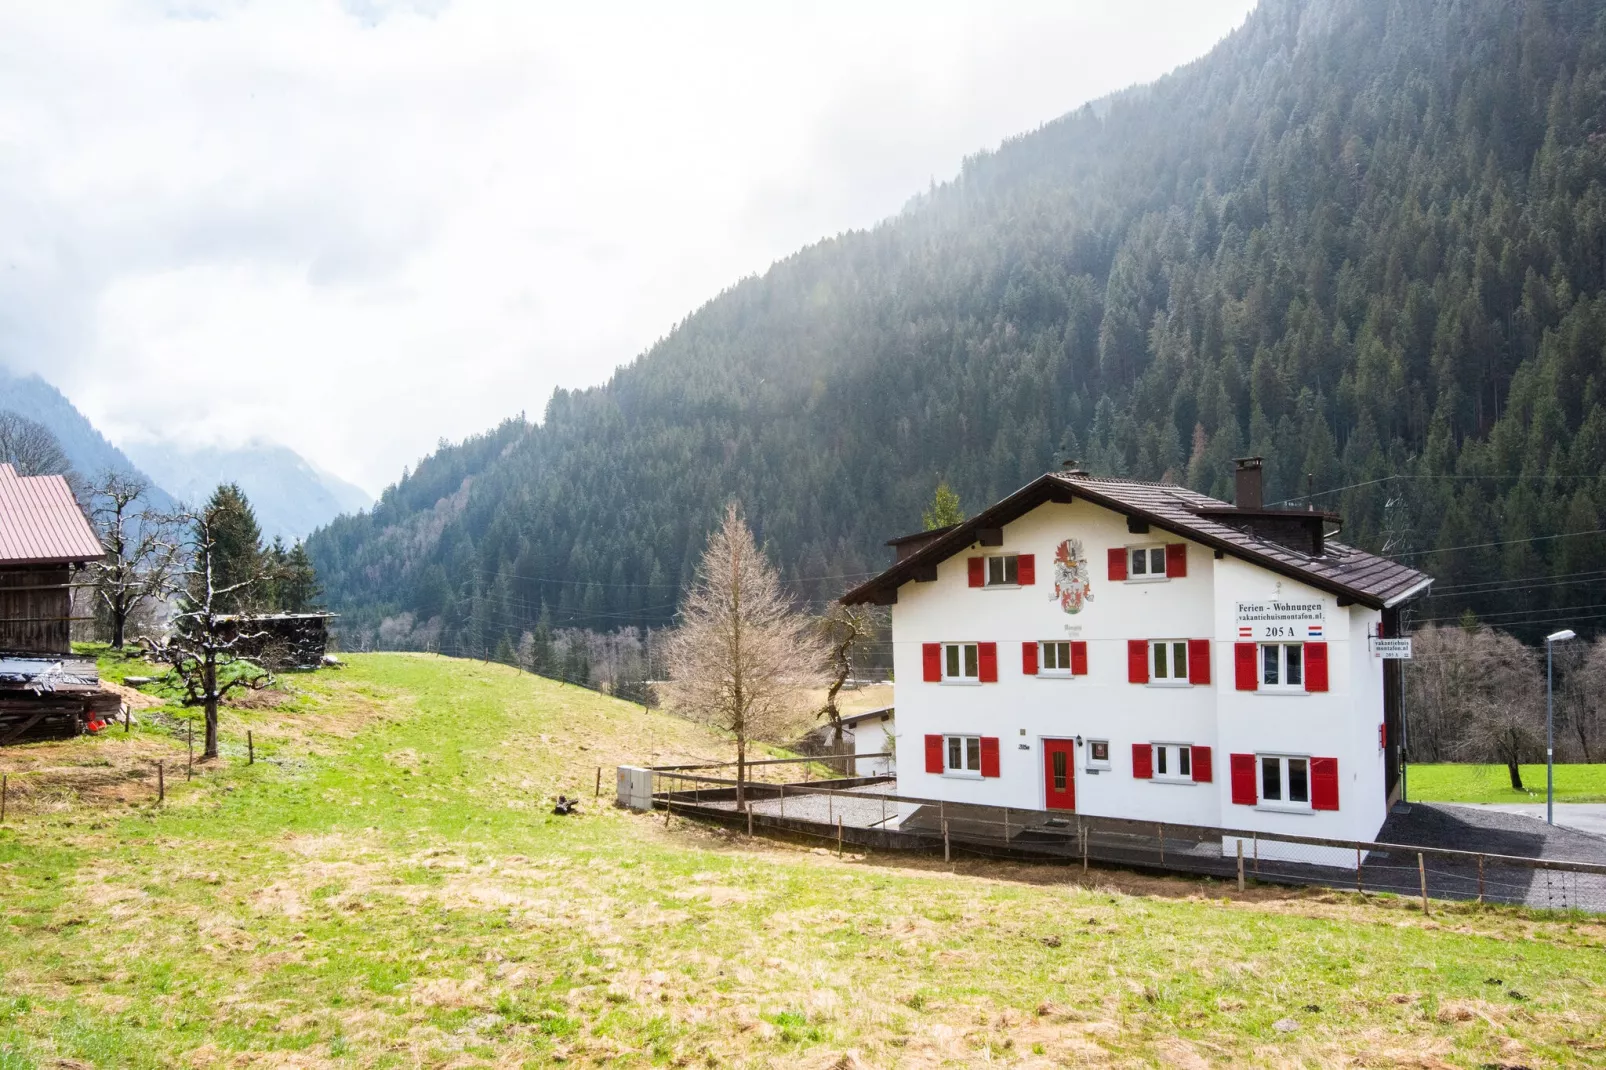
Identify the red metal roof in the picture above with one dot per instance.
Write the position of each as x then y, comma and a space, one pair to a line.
41, 523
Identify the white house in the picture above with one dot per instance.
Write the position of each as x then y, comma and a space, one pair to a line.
1138, 650
874, 732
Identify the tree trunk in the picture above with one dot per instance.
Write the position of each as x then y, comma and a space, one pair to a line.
1516, 774
209, 676
119, 628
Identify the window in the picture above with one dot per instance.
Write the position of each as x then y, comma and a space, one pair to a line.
1282, 665
1146, 563
962, 755
1285, 782
961, 661
1168, 661
1098, 754
1003, 571
1056, 657
1173, 761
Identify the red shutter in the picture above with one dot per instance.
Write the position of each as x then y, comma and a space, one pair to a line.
1382, 736
989, 755
1199, 661
989, 662
1078, 659
1026, 569
1315, 666
1142, 761
933, 754
1137, 661
931, 657
1203, 771
1324, 783
1028, 658
978, 571
1117, 563
1176, 559
1243, 663
1243, 779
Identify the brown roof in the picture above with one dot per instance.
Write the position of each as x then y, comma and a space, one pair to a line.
1340, 569
41, 523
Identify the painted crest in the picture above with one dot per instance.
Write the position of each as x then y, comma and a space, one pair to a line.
1072, 585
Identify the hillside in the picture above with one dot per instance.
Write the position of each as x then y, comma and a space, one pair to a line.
386, 886
1363, 238
291, 496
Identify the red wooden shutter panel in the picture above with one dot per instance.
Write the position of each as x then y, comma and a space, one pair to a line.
1117, 563
1244, 668
1198, 661
1324, 783
1382, 736
989, 755
1176, 559
933, 754
1137, 661
1142, 761
1203, 772
978, 571
1078, 658
1028, 658
1026, 569
989, 662
1315, 666
931, 659
1243, 779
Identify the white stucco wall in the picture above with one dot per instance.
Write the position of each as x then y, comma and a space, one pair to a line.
874, 736
1024, 710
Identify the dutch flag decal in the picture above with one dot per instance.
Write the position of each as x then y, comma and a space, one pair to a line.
1314, 631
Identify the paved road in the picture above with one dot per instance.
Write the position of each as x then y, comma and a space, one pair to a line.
1581, 817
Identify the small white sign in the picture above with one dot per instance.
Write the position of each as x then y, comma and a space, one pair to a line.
1392, 649
1277, 619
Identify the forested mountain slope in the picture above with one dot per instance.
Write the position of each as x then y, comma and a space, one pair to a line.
1364, 238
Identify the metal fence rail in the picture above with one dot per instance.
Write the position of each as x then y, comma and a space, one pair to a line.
870, 812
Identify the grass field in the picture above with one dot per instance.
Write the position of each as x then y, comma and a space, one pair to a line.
388, 889
1492, 784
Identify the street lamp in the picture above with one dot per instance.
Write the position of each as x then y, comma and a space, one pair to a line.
1550, 725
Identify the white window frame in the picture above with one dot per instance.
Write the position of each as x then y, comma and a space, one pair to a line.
1280, 687
1058, 671
1171, 680
962, 678
969, 748
1171, 763
1098, 763
1150, 552
1284, 784
1005, 561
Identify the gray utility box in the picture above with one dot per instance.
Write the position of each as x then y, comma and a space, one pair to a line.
635, 788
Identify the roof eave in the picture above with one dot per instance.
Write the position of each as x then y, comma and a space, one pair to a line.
1409, 593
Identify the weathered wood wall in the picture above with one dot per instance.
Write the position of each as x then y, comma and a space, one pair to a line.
36, 610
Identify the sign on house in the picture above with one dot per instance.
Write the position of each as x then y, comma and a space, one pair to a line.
1276, 619
1392, 649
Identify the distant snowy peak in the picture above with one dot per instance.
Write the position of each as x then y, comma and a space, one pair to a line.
291, 495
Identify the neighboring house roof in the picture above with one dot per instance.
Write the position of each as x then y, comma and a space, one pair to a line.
881, 714
1352, 574
41, 523
47, 674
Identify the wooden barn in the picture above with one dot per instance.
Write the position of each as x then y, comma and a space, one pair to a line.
45, 541
279, 641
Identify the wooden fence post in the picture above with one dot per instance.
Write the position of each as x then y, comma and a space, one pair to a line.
839, 837
1240, 863
3, 786
189, 767
946, 856
1087, 834
749, 819
598, 795
1257, 854
1480, 878
161, 783
1358, 887
250, 748
1159, 831
128, 719
1422, 872
1006, 826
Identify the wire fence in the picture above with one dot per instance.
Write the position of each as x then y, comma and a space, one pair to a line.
870, 812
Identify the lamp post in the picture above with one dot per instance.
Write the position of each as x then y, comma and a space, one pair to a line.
1550, 724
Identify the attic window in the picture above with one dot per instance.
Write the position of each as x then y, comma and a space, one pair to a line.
1004, 570
1146, 562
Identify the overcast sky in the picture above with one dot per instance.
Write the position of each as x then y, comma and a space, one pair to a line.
358, 228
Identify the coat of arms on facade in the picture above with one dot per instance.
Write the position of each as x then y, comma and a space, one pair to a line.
1071, 583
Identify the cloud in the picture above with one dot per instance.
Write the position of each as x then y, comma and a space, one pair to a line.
358, 227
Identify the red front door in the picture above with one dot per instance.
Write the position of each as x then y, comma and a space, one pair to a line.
1059, 774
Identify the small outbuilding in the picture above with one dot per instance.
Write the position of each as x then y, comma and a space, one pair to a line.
873, 733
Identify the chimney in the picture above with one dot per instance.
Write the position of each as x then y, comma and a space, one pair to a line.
1247, 489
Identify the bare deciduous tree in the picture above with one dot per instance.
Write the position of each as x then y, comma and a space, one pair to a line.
142, 550
845, 630
1475, 694
29, 447
744, 657
207, 644
1581, 698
